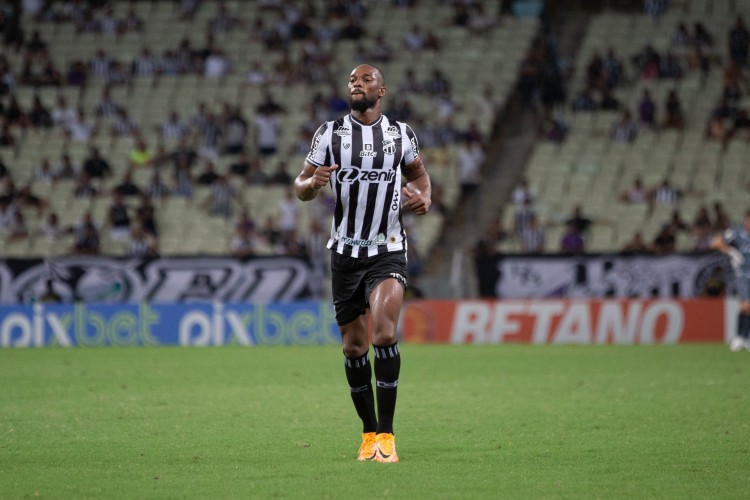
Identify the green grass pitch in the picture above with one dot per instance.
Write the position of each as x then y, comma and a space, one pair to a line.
471, 422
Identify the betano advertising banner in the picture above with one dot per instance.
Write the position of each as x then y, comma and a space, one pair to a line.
313, 323
658, 321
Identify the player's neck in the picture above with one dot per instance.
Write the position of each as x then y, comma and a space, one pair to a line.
367, 117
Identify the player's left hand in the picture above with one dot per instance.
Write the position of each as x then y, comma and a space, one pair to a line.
418, 202
735, 258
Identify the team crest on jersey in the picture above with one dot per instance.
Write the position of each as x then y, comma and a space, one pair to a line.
342, 131
393, 131
389, 147
346, 145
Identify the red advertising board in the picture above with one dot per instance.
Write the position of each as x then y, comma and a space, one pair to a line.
657, 321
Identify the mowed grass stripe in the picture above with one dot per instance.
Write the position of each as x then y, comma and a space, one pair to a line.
472, 421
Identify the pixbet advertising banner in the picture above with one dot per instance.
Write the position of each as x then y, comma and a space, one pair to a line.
168, 280
656, 321
195, 324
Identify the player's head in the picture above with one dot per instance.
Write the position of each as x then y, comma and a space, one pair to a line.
366, 87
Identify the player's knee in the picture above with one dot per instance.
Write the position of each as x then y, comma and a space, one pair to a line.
355, 349
384, 336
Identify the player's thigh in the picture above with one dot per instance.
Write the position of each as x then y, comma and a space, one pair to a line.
386, 282
386, 301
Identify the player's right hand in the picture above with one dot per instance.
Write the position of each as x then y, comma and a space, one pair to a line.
322, 176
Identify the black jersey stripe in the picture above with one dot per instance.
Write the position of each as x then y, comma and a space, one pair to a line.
377, 145
335, 148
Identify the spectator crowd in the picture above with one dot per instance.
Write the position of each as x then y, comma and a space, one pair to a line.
211, 150
692, 51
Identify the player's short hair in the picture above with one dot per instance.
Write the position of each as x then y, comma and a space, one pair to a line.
378, 70
382, 75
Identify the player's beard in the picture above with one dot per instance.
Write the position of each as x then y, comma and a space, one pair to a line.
362, 104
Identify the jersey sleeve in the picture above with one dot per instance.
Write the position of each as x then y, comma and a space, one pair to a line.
411, 146
319, 148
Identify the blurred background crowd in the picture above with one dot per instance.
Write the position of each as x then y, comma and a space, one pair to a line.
145, 128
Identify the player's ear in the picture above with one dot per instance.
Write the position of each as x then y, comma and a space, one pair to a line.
381, 91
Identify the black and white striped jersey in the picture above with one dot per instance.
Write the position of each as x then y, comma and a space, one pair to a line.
367, 184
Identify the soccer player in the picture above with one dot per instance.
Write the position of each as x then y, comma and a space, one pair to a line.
363, 155
735, 242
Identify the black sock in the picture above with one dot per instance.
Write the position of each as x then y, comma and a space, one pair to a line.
359, 376
387, 367
743, 326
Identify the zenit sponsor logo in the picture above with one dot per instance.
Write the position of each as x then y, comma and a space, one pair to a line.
357, 175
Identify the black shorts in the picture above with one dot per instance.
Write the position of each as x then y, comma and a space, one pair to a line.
354, 280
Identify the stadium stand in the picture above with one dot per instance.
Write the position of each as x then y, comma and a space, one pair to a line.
593, 168
109, 40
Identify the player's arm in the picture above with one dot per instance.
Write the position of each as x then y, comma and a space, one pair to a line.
303, 184
311, 180
718, 243
418, 189
315, 174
